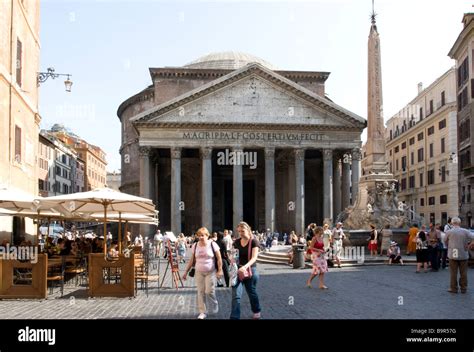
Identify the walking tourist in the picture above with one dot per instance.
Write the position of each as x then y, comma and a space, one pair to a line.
318, 256
203, 258
247, 250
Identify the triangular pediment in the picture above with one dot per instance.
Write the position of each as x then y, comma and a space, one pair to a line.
254, 95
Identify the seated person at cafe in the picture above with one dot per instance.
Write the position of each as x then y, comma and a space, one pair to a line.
64, 246
112, 251
98, 245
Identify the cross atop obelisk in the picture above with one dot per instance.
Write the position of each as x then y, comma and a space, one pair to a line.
373, 13
375, 147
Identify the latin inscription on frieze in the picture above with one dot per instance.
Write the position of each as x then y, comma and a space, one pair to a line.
253, 136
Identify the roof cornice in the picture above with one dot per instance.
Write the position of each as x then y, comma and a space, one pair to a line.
184, 72
145, 94
253, 126
466, 33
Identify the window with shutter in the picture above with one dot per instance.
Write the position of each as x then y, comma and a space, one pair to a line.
17, 144
19, 63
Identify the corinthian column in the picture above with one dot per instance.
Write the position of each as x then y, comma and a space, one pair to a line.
176, 190
145, 182
270, 189
206, 177
336, 185
238, 196
346, 181
299, 194
327, 181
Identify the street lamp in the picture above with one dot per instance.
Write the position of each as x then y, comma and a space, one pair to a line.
43, 76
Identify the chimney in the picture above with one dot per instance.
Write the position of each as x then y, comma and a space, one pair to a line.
420, 87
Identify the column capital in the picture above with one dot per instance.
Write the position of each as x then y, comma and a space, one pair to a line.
299, 154
337, 154
206, 153
175, 153
269, 153
356, 154
144, 151
327, 154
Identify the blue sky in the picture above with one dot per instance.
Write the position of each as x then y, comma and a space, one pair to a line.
108, 47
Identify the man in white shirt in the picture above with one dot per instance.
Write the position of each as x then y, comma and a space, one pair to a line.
227, 240
157, 240
337, 238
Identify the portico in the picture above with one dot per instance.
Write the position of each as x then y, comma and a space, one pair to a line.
289, 186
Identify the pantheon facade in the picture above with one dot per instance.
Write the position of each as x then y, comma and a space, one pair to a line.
228, 137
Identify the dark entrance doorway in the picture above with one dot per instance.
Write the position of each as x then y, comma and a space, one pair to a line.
228, 205
249, 202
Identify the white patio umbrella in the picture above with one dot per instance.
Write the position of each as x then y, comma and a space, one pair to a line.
104, 200
20, 203
133, 218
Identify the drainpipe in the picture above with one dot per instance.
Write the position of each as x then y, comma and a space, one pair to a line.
10, 96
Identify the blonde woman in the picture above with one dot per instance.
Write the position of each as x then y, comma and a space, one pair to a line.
327, 237
204, 252
243, 245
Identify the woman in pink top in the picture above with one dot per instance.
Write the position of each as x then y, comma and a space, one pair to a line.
320, 265
204, 256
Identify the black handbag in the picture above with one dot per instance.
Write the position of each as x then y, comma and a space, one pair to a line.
192, 272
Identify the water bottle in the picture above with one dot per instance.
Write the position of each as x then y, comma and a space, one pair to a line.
233, 267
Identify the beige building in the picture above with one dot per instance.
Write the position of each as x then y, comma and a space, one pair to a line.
421, 151
114, 179
463, 52
95, 174
19, 118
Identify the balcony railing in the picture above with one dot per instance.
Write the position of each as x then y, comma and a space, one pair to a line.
468, 171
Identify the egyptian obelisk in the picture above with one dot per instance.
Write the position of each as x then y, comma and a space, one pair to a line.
375, 148
377, 201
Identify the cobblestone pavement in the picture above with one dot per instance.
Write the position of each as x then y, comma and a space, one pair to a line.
370, 292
